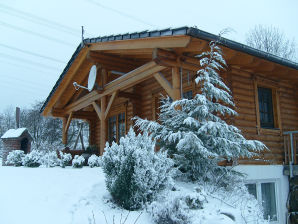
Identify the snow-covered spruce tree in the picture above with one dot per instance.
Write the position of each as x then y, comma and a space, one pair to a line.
135, 174
194, 132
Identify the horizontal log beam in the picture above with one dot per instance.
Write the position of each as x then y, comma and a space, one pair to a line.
171, 63
154, 42
132, 96
95, 55
75, 115
126, 81
171, 59
112, 62
83, 101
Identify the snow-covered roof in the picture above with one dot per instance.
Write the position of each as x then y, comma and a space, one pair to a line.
14, 133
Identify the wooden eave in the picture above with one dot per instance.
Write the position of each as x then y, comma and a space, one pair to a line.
140, 50
154, 55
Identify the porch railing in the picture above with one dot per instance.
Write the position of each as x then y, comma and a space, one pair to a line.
290, 146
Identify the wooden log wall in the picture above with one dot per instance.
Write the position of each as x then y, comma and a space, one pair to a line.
242, 85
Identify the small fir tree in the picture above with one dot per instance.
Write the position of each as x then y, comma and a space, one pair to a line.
194, 132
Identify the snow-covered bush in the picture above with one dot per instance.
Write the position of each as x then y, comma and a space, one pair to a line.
15, 158
33, 159
65, 159
171, 211
94, 161
135, 173
195, 132
78, 161
49, 159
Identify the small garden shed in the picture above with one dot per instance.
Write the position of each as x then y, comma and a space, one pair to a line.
15, 139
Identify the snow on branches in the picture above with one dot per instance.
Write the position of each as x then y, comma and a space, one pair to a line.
194, 131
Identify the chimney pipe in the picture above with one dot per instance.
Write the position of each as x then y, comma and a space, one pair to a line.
17, 117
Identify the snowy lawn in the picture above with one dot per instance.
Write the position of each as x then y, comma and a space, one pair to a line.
57, 195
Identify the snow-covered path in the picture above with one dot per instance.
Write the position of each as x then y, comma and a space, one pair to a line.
56, 195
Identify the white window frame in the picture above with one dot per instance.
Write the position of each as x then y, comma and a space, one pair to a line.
259, 194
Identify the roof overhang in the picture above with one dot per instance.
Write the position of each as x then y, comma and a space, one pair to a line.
141, 46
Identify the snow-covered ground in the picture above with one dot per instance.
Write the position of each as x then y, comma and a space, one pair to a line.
70, 196
56, 195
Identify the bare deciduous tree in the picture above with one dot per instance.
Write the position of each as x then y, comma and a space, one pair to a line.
271, 40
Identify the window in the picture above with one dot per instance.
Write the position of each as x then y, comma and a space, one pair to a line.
187, 95
267, 106
265, 193
116, 127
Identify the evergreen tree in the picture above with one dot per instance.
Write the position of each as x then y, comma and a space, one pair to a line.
194, 131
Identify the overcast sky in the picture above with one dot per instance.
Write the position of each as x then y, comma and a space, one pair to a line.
38, 37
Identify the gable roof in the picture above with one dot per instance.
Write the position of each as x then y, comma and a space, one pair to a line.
16, 133
189, 31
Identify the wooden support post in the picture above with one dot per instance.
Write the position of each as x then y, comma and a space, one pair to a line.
103, 105
103, 125
104, 76
176, 84
64, 134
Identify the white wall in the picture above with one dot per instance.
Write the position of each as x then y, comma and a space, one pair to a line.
273, 173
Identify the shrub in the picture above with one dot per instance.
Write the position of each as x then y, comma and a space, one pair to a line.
33, 159
94, 161
134, 172
65, 159
172, 211
49, 159
78, 161
15, 158
194, 202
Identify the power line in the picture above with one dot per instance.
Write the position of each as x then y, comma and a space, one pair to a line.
31, 53
121, 13
25, 67
27, 61
34, 33
23, 83
23, 90
20, 85
37, 19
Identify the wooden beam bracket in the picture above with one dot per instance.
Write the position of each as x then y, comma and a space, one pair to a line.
68, 123
110, 103
97, 109
164, 83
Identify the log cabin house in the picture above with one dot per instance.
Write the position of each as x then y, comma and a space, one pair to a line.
133, 70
